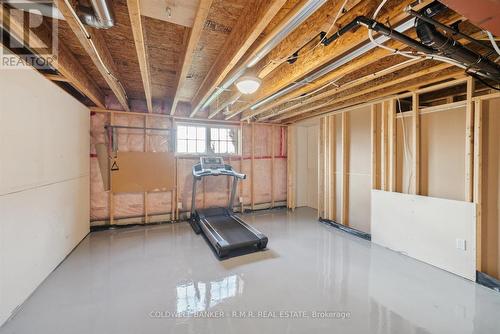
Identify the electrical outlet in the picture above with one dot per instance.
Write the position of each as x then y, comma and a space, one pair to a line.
461, 244
179, 205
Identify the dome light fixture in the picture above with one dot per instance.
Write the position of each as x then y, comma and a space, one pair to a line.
248, 84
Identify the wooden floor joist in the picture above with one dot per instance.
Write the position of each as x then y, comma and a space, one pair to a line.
64, 61
187, 55
254, 19
95, 46
138, 30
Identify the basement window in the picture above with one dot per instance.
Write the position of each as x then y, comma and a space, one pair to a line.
204, 139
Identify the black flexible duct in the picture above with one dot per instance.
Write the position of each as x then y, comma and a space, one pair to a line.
451, 48
433, 42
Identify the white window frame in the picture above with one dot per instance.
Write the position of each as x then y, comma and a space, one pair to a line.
208, 139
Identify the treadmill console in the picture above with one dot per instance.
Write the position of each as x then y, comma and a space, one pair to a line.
212, 163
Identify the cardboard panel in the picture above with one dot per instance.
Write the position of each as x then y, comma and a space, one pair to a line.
143, 171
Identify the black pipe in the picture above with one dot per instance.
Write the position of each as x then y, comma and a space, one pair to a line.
448, 47
449, 29
380, 28
433, 42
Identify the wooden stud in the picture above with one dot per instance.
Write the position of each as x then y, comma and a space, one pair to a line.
111, 199
332, 170
326, 168
321, 165
416, 144
469, 141
252, 169
241, 166
384, 149
187, 56
392, 144
478, 174
373, 139
273, 153
291, 167
146, 149
345, 167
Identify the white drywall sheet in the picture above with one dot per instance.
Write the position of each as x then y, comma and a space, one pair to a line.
44, 181
426, 228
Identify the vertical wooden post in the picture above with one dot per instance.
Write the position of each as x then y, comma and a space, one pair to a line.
392, 144
252, 170
111, 199
291, 167
333, 198
469, 141
416, 144
146, 148
373, 125
345, 166
176, 189
326, 167
321, 167
383, 149
478, 174
241, 167
272, 163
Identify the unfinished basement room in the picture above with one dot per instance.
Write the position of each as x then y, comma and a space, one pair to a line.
249, 166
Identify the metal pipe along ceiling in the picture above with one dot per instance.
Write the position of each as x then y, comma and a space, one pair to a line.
307, 10
100, 16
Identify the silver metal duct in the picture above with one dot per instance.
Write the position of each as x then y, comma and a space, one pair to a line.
100, 16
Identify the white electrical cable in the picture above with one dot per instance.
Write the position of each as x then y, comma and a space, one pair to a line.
280, 60
91, 42
493, 42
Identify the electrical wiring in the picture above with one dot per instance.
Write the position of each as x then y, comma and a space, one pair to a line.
91, 42
493, 42
280, 60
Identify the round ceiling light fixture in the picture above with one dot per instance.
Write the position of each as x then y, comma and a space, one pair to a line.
248, 84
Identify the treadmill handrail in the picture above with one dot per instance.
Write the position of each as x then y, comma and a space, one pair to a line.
199, 173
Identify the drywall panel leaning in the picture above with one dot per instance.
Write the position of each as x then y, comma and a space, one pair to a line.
437, 231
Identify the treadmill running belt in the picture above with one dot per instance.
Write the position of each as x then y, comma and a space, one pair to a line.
231, 230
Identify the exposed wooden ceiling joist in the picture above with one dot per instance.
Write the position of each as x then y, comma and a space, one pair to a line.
253, 21
285, 75
395, 77
65, 62
187, 57
134, 10
391, 79
410, 85
370, 58
97, 50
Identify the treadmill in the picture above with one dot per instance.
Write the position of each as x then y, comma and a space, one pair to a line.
225, 231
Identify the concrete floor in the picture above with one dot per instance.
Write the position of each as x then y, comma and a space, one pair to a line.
138, 280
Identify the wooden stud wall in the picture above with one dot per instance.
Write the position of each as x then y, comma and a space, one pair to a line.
174, 213
383, 149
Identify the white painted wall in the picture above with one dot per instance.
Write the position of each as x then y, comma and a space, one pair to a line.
307, 146
44, 181
426, 229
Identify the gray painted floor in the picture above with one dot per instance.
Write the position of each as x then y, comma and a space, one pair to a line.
137, 280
